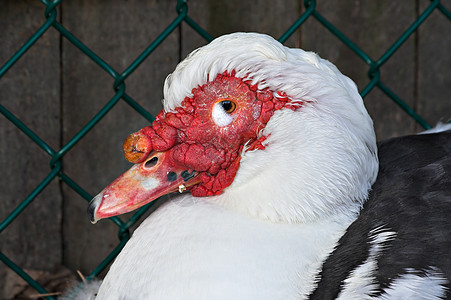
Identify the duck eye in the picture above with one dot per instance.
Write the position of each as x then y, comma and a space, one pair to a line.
222, 112
228, 106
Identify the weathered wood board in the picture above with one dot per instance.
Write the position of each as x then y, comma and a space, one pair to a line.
31, 91
56, 89
434, 64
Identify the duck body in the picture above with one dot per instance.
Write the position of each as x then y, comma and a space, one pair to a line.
204, 252
406, 217
280, 159
398, 247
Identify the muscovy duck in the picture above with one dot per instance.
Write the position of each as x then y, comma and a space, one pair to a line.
275, 159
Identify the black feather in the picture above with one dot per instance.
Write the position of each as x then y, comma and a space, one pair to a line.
412, 197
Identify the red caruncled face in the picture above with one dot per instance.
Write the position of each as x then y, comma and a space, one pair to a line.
209, 131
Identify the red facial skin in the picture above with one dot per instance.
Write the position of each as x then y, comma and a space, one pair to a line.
192, 139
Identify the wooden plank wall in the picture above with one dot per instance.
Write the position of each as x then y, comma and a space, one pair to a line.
55, 90
31, 90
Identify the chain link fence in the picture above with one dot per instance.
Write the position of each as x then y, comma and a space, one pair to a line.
50, 22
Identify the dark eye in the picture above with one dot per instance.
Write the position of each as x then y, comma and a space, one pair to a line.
228, 106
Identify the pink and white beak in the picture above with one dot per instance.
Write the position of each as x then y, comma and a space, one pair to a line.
158, 175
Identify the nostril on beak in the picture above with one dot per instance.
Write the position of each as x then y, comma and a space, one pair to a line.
151, 162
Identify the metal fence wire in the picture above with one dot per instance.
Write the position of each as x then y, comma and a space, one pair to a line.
56, 155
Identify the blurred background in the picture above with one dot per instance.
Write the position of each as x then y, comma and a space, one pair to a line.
55, 90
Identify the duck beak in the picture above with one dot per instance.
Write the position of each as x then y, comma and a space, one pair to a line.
158, 175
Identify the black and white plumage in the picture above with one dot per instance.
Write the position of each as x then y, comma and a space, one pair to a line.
302, 218
410, 202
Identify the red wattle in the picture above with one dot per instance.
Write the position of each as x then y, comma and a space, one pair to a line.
197, 142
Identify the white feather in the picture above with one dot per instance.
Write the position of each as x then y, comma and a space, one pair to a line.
193, 249
82, 291
438, 128
410, 286
362, 283
267, 235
